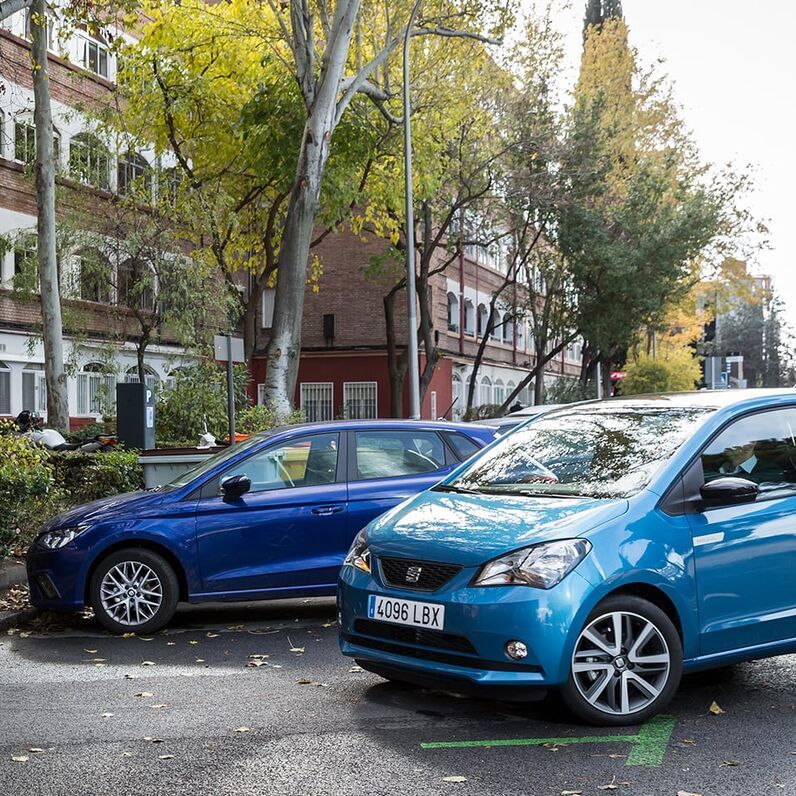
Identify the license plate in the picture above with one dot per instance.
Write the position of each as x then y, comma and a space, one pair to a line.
406, 612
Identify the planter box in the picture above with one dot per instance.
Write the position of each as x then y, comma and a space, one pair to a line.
163, 465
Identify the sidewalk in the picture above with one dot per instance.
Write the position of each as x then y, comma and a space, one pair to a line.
14, 607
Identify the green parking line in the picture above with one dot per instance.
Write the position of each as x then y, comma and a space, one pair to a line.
648, 745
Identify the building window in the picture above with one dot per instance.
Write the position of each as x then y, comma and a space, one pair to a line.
96, 390
134, 287
5, 389
483, 317
94, 278
151, 378
498, 392
359, 400
94, 54
457, 396
26, 272
133, 173
169, 186
25, 143
34, 389
453, 312
508, 329
485, 395
469, 317
317, 400
89, 161
268, 307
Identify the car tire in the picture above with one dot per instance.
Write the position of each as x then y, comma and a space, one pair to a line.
134, 590
615, 685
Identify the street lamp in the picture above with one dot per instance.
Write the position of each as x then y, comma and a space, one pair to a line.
411, 303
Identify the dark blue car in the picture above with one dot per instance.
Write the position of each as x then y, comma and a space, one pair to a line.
270, 518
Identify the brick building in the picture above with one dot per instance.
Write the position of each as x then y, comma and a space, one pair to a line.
343, 369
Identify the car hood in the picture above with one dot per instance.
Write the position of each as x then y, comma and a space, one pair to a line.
99, 510
471, 529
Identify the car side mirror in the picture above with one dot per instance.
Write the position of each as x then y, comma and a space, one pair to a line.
235, 486
728, 491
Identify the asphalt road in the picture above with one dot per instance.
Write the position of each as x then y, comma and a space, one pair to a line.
186, 713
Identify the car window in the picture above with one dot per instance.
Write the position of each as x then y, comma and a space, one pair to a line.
759, 447
462, 445
303, 461
387, 454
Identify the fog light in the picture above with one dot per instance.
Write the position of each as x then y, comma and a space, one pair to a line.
516, 650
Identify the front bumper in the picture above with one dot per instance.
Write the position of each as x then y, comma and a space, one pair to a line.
56, 578
479, 621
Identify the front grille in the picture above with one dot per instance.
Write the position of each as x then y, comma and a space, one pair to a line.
405, 573
414, 635
439, 657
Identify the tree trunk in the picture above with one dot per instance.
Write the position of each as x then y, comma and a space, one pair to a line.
396, 363
538, 382
251, 311
52, 329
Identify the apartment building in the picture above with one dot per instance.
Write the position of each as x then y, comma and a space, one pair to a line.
82, 73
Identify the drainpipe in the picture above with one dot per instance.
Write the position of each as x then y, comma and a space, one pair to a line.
462, 310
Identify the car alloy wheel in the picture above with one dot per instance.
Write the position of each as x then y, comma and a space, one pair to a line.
621, 663
131, 593
134, 589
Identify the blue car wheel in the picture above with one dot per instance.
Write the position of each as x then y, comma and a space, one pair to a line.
134, 591
626, 664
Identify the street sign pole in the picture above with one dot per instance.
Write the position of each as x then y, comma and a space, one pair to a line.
230, 392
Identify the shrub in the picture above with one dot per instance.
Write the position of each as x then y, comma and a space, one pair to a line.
198, 394
82, 476
261, 418
567, 390
90, 432
28, 491
676, 370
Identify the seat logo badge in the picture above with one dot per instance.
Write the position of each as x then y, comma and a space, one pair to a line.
413, 574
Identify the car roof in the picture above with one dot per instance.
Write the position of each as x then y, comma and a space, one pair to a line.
708, 399
386, 424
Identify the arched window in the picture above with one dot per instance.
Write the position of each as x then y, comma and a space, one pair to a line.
453, 312
94, 276
89, 160
151, 378
26, 272
524, 396
510, 387
495, 324
457, 396
483, 316
469, 317
498, 392
521, 335
96, 390
135, 286
5, 389
485, 394
169, 182
133, 173
508, 329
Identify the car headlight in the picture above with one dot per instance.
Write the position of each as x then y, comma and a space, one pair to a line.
359, 554
52, 540
541, 565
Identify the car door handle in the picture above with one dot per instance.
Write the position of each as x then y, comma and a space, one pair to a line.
325, 511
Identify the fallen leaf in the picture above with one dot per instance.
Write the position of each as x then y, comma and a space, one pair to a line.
127, 754
20, 758
610, 786
144, 694
153, 740
571, 793
715, 709
147, 663
193, 642
35, 749
275, 666
259, 655
128, 635
356, 668
165, 757
243, 729
161, 705
236, 627
200, 660
141, 638
212, 635
730, 763
330, 624
106, 715
687, 793
304, 681
171, 643
256, 664
617, 757
297, 650
90, 652
454, 779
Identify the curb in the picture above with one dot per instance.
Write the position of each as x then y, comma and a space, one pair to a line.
14, 618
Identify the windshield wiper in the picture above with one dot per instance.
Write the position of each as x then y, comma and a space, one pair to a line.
459, 490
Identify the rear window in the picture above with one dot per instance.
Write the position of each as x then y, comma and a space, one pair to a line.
462, 445
389, 454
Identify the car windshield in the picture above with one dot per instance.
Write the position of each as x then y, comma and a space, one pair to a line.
212, 461
595, 451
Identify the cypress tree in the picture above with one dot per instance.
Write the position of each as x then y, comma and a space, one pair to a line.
597, 11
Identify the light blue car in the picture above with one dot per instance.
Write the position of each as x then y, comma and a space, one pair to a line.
601, 550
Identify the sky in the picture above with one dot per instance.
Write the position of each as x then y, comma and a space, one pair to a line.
733, 64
